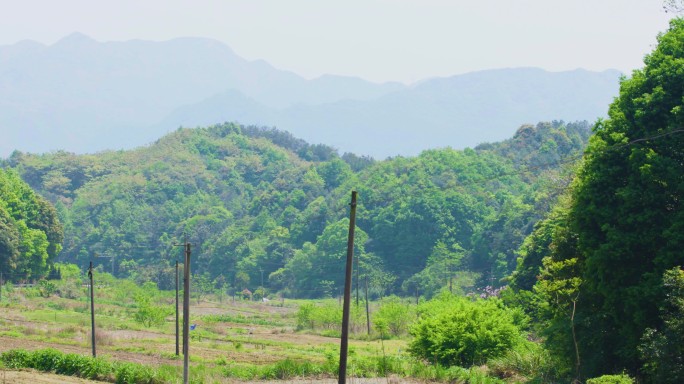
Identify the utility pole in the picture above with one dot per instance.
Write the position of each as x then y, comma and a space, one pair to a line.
186, 308
357, 282
186, 313
344, 342
177, 333
92, 308
262, 277
367, 311
1, 283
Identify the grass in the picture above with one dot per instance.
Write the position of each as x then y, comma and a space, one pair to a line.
232, 341
52, 360
240, 319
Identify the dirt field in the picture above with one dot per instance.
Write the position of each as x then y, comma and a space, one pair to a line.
32, 325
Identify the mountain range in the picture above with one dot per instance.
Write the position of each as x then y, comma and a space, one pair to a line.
82, 96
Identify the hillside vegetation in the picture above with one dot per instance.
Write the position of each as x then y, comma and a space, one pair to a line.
589, 241
258, 203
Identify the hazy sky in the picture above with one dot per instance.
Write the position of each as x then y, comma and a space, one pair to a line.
379, 40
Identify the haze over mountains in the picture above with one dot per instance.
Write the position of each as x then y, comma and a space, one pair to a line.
81, 95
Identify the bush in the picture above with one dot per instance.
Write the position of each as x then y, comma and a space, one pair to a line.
611, 379
304, 316
395, 316
52, 360
134, 373
70, 289
526, 359
149, 314
327, 316
46, 288
456, 331
288, 368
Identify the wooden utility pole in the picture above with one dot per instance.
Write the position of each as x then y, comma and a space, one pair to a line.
177, 333
344, 342
186, 314
357, 282
367, 311
92, 308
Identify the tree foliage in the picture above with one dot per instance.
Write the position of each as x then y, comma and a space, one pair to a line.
256, 201
662, 349
30, 233
604, 252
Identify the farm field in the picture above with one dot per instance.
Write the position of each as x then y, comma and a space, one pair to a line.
231, 340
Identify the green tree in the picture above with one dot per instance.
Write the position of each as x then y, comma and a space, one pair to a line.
626, 222
202, 285
30, 234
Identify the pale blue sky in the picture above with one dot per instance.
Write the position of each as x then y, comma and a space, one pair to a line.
379, 40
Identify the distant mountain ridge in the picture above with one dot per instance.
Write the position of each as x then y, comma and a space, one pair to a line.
84, 96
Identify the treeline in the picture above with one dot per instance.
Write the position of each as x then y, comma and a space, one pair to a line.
257, 203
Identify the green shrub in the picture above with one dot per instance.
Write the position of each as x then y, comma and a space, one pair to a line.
454, 330
46, 288
149, 314
526, 359
17, 358
240, 371
70, 289
134, 373
288, 368
395, 315
326, 316
52, 360
611, 379
304, 320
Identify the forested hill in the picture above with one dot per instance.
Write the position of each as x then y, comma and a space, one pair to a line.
258, 202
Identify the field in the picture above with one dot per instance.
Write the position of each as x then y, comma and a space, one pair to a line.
233, 340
